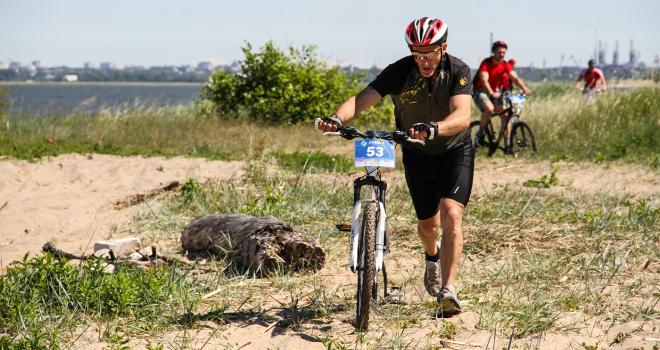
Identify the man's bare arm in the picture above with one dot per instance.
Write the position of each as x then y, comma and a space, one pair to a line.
484, 81
457, 120
358, 103
514, 77
352, 107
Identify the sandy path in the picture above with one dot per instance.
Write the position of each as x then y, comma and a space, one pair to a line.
67, 199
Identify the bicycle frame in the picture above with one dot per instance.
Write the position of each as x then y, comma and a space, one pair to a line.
512, 115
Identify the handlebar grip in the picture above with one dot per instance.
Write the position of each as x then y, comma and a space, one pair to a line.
316, 123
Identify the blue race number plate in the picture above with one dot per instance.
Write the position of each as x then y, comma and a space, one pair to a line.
374, 152
516, 99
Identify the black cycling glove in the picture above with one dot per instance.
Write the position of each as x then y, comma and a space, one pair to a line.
335, 120
430, 128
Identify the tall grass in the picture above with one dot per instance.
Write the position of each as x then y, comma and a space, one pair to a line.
148, 131
620, 125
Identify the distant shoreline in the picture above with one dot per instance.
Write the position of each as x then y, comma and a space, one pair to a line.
74, 83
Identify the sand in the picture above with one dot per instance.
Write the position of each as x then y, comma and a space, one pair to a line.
71, 200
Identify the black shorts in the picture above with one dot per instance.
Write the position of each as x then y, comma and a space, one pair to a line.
433, 177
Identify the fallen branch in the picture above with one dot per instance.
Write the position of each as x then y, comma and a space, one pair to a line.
51, 248
265, 244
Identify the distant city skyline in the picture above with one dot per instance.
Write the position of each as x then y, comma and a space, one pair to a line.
167, 33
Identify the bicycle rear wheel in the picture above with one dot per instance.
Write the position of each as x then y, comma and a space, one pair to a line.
523, 141
366, 266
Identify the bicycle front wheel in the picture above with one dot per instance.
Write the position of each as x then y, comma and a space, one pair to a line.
523, 141
366, 266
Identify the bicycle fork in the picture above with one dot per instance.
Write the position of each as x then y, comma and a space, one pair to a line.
356, 219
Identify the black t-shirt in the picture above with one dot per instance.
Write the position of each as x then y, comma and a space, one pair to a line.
392, 79
417, 101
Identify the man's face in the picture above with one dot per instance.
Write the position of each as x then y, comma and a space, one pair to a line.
426, 65
499, 53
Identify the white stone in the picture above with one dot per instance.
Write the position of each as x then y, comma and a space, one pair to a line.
120, 247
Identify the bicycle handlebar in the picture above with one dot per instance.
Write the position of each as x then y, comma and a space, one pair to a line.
349, 133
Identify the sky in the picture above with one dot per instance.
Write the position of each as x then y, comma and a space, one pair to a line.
346, 32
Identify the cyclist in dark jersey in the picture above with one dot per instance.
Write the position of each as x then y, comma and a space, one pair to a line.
431, 91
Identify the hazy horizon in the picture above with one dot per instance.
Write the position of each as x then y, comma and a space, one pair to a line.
362, 34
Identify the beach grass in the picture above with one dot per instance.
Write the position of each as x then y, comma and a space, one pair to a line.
621, 125
535, 261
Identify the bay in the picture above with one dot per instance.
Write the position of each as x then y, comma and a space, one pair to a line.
40, 100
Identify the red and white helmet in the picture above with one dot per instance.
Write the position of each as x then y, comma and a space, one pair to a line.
426, 31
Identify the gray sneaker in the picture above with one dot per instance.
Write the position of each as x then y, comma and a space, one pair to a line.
448, 303
432, 279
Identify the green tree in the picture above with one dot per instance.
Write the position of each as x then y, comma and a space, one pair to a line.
275, 86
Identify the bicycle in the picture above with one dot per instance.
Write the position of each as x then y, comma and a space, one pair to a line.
591, 94
521, 137
369, 239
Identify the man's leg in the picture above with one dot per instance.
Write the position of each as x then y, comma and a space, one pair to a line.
450, 218
486, 113
428, 231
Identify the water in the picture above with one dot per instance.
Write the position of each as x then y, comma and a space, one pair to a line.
62, 99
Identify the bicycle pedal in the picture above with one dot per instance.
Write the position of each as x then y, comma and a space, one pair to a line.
395, 292
343, 227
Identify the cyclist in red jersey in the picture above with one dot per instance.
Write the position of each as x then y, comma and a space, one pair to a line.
506, 82
593, 78
487, 94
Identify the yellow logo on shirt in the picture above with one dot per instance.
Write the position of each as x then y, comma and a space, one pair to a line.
463, 81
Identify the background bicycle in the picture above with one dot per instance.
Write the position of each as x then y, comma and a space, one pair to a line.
591, 94
521, 137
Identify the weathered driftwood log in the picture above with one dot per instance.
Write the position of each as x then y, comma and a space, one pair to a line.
264, 243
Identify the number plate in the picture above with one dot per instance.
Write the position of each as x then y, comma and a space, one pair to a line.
516, 99
374, 152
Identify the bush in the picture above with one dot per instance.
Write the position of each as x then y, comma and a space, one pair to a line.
280, 87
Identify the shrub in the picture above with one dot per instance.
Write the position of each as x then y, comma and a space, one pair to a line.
285, 88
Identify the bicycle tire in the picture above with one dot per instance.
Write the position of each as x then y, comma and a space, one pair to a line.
367, 266
523, 141
489, 139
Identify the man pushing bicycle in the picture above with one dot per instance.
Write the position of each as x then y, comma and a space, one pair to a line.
431, 92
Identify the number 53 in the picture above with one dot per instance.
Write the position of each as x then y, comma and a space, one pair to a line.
377, 151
